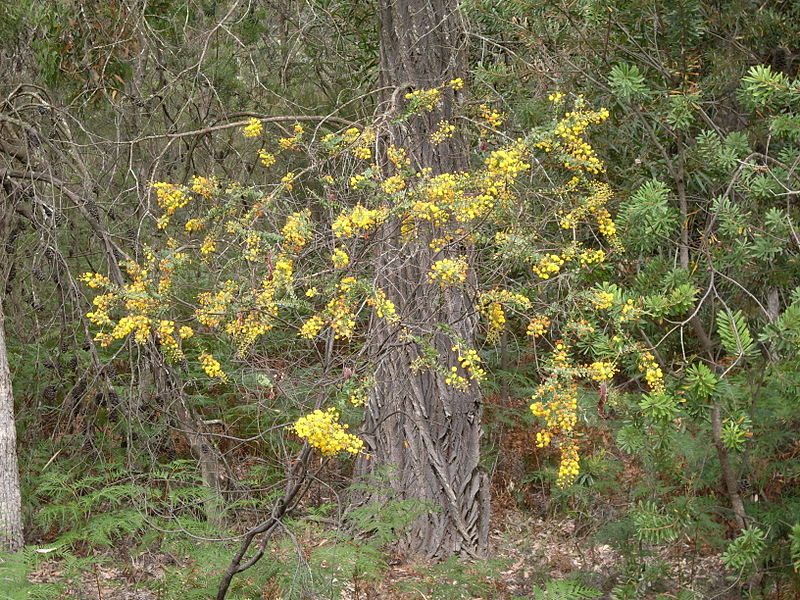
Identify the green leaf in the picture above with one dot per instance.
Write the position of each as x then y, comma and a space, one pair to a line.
745, 549
701, 381
653, 525
565, 589
735, 335
628, 82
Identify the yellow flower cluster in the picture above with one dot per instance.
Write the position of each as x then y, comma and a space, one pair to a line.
166, 338
608, 228
556, 97
507, 162
548, 265
340, 259
340, 316
170, 198
359, 395
438, 244
393, 184
493, 118
578, 153
288, 181
423, 100
497, 319
338, 313
95, 280
569, 466
361, 142
194, 225
590, 256
491, 305
398, 156
322, 430
312, 327
297, 230
205, 187
208, 246
444, 131
652, 371
559, 413
253, 247
292, 142
267, 159
599, 194
422, 210
358, 181
602, 300
448, 271
630, 311
358, 220
384, 308
254, 128
454, 380
212, 367
139, 325
561, 358
470, 364
602, 370
560, 417
104, 304
283, 271
214, 305
456, 83
443, 189
346, 284
141, 299
538, 326
248, 326
362, 152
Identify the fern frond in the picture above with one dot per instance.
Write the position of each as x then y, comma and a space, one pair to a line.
565, 589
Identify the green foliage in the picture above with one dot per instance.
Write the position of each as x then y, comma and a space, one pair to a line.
659, 406
15, 568
565, 589
764, 88
452, 579
784, 332
735, 335
701, 382
647, 218
735, 433
670, 88
627, 81
745, 550
794, 547
654, 524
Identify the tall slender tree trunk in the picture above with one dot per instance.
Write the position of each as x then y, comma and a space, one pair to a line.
10, 501
425, 431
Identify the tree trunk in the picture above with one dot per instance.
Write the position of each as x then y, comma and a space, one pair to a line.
10, 502
423, 430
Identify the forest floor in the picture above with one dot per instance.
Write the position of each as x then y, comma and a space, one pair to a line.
530, 552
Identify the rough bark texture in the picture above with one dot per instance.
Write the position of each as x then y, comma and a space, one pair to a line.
10, 503
425, 431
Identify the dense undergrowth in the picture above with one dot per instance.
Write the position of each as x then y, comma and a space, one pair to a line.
677, 336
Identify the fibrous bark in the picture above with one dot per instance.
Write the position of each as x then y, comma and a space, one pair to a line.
424, 431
